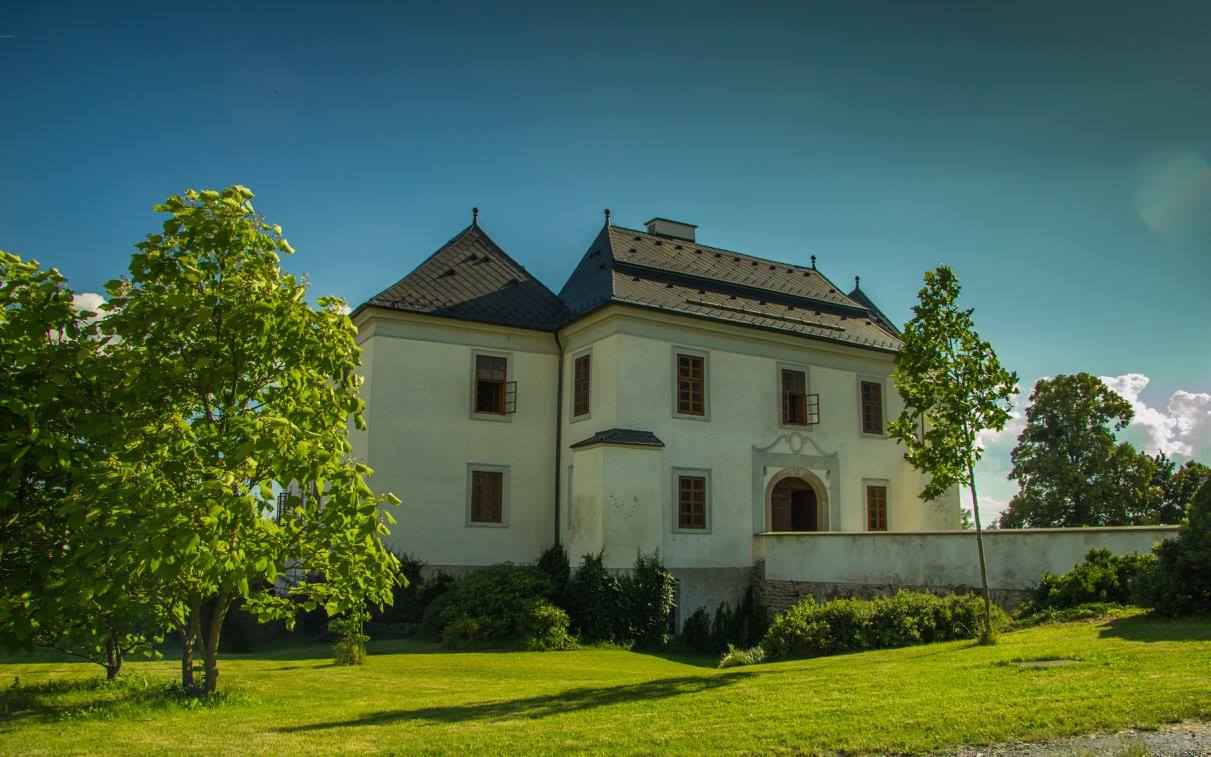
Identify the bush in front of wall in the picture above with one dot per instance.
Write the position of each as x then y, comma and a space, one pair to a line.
812, 629
696, 632
502, 605
1102, 577
412, 595
649, 592
595, 602
553, 563
1182, 581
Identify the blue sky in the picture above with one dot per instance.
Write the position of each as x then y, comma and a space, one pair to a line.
1056, 155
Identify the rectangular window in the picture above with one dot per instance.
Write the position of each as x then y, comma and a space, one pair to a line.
491, 375
691, 502
691, 385
487, 496
876, 508
580, 386
872, 408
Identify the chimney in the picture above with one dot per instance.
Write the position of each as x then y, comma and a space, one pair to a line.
675, 229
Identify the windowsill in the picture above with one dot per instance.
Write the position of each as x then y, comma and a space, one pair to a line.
865, 435
475, 524
497, 417
684, 416
579, 418
693, 531
797, 427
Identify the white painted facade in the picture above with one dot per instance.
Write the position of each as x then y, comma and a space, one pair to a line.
423, 438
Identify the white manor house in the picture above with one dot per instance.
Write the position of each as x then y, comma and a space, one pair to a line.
671, 396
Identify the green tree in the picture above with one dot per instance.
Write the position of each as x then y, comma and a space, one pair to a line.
1070, 469
953, 388
67, 578
255, 389
1180, 489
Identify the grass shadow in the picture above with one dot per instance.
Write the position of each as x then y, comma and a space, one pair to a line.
572, 700
1156, 628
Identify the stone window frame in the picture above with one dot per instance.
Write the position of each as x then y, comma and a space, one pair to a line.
706, 382
572, 417
504, 494
886, 484
709, 504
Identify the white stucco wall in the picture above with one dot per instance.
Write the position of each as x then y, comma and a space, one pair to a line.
421, 435
1015, 558
632, 387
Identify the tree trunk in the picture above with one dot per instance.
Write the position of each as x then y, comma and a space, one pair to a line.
113, 658
986, 635
210, 646
190, 632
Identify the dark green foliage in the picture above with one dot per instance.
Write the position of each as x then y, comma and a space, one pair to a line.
742, 628
595, 601
242, 632
696, 632
553, 562
412, 597
810, 629
499, 606
350, 647
1102, 577
1182, 580
649, 593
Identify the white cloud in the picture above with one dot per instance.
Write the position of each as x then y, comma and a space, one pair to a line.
87, 301
1182, 427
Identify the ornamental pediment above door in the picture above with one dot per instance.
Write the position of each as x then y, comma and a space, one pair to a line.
795, 443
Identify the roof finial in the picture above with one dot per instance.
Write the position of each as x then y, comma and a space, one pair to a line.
813, 262
474, 216
607, 216
857, 281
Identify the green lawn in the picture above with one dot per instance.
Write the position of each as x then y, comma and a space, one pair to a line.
411, 697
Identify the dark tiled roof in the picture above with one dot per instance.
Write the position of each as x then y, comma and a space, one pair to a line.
651, 270
621, 436
860, 297
473, 279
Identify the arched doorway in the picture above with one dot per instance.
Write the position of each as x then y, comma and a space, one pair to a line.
794, 506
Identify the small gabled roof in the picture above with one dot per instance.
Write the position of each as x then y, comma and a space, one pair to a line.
471, 278
857, 295
634, 267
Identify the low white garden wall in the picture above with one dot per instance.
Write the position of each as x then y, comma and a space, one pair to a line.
842, 563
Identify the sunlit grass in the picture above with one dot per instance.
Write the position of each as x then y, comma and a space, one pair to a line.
412, 697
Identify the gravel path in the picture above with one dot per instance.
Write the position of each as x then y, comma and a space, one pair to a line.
1190, 739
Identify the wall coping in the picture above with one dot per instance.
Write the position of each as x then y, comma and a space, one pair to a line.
988, 533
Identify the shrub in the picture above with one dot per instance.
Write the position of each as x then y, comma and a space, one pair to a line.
1102, 577
649, 592
810, 629
350, 647
595, 601
500, 605
735, 656
1027, 618
1182, 579
696, 632
553, 563
412, 596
